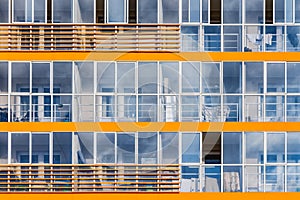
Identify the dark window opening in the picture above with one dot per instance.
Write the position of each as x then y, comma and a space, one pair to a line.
215, 11
49, 11
211, 144
269, 12
132, 11
99, 11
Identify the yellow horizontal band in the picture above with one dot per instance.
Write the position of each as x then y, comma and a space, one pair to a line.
148, 126
151, 196
148, 56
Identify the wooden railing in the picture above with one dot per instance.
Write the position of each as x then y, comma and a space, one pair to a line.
76, 37
89, 178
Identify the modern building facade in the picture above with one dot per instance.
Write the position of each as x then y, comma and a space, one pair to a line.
166, 96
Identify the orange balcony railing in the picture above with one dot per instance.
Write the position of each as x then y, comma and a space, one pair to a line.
89, 178
76, 37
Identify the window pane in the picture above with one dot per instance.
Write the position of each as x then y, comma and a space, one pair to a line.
170, 11
190, 77
20, 148
3, 77
105, 147
232, 108
19, 11
169, 78
275, 179
84, 77
232, 148
126, 77
275, 148
190, 181
126, 108
147, 108
210, 75
275, 77
84, 108
84, 11
233, 179
293, 108
190, 147
189, 38
289, 11
40, 77
40, 148
117, 13
62, 11
212, 38
232, 38
254, 11
105, 77
147, 79
62, 77
169, 148
293, 151
39, 11
4, 10
293, 177
185, 11
254, 38
254, 179
190, 108
232, 11
105, 108
147, 148
232, 77
212, 179
194, 11
62, 148
83, 148
147, 11
254, 148
205, 11
3, 148
297, 11
126, 148
279, 11
254, 77
292, 40
274, 108
293, 81
20, 77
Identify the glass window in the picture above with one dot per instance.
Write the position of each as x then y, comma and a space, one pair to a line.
147, 148
83, 148
117, 11
293, 178
232, 148
147, 108
62, 148
147, 77
105, 148
84, 108
274, 38
212, 38
190, 181
126, 77
169, 108
62, 77
254, 148
40, 148
20, 148
275, 148
279, 11
3, 77
125, 148
292, 38
205, 11
84, 77
232, 77
190, 108
232, 108
190, 38
254, 77
211, 148
190, 77
20, 77
169, 11
274, 179
297, 11
293, 81
232, 11
169, 78
4, 11
105, 108
293, 151
169, 148
147, 11
274, 108
62, 108
275, 77
232, 38
254, 179
211, 109
105, 77
212, 179
190, 11
126, 108
84, 11
29, 11
39, 11
289, 11
62, 11
254, 11
3, 148
40, 77
232, 179
293, 108
210, 77
253, 108
190, 147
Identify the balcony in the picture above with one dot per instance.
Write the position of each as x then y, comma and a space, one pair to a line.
89, 178
104, 37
